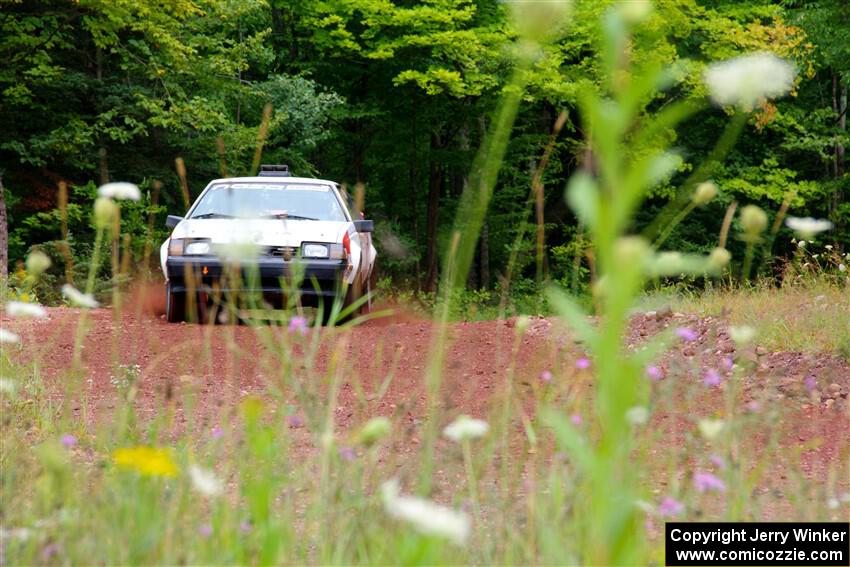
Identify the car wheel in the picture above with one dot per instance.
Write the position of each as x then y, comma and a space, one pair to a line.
175, 305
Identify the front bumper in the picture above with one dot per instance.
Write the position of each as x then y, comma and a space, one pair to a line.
263, 274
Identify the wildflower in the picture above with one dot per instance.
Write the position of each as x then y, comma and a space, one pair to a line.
637, 415
424, 515
205, 530
754, 406
546, 376
78, 298
119, 190
68, 441
245, 526
8, 337
37, 262
149, 461
686, 334
655, 373
710, 428
635, 11
298, 324
670, 507
828, 246
742, 334
801, 244
216, 432
810, 382
575, 419
465, 427
712, 378
49, 551
205, 481
807, 227
347, 453
294, 421
717, 461
728, 363
842, 268
753, 221
105, 211
539, 21
23, 309
7, 386
719, 258
746, 80
373, 430
704, 193
706, 482
583, 363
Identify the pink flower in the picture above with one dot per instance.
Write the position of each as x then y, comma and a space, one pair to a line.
706, 482
717, 461
298, 324
546, 376
245, 526
670, 507
583, 363
347, 454
654, 373
216, 432
205, 530
712, 378
686, 334
294, 421
575, 419
810, 382
728, 363
754, 406
68, 440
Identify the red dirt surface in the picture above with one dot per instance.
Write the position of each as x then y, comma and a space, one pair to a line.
222, 364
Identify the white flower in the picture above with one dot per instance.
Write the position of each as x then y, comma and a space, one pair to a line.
23, 309
828, 246
424, 515
842, 268
120, 191
79, 298
637, 415
744, 81
801, 244
710, 428
205, 481
464, 428
8, 337
742, 334
807, 227
37, 262
7, 386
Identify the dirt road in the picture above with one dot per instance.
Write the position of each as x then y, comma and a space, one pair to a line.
382, 368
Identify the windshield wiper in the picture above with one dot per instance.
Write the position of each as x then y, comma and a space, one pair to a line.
287, 216
213, 216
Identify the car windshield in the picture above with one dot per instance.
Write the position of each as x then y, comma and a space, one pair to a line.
298, 201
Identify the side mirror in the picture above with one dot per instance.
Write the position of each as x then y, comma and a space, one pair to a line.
172, 220
364, 226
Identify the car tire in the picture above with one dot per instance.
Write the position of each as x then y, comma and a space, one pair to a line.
175, 305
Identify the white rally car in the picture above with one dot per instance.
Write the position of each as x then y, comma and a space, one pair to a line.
270, 227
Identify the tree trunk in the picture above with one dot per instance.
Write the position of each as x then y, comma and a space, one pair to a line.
4, 233
435, 185
484, 251
839, 105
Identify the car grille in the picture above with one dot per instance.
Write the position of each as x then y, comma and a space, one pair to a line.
285, 252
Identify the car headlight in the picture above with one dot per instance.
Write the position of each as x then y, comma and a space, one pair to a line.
189, 247
315, 251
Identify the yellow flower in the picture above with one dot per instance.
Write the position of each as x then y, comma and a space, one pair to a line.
150, 461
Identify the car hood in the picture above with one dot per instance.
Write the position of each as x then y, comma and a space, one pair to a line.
262, 232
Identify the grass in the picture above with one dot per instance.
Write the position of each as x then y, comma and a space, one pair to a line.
581, 466
812, 316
